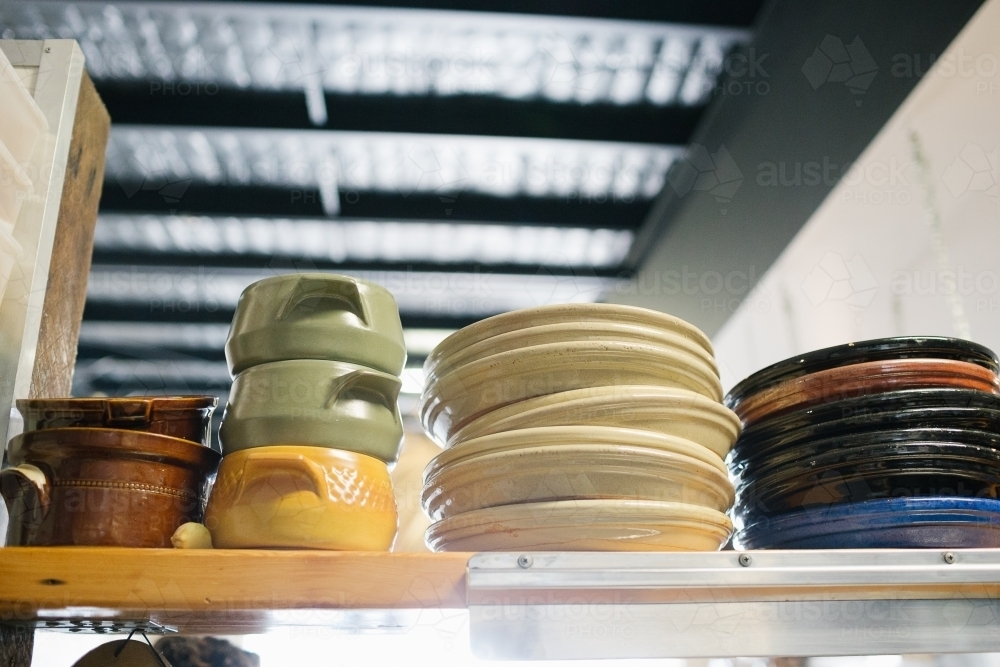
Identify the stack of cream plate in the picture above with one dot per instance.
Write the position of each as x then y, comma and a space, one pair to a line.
577, 427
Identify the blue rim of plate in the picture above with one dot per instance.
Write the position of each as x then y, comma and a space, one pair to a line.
872, 516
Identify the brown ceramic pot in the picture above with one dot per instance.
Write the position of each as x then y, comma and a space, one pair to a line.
872, 377
103, 487
187, 417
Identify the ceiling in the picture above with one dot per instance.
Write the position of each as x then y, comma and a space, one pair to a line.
473, 162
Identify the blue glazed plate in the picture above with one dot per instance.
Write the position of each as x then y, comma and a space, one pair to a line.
897, 523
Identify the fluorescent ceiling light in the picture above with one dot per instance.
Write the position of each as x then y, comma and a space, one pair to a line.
339, 240
366, 50
168, 160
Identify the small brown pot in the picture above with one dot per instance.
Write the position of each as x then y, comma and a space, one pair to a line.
186, 417
103, 487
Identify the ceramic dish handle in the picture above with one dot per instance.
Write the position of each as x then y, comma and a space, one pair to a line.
25, 490
365, 385
120, 413
262, 466
329, 295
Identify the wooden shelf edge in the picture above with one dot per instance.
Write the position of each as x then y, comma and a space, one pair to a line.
219, 589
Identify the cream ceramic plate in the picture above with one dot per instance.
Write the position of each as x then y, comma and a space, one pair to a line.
568, 332
574, 472
583, 525
560, 436
450, 402
561, 314
670, 411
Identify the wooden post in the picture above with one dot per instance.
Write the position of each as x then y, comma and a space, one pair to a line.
62, 313
16, 645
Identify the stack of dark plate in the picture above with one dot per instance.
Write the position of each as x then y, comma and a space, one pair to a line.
885, 443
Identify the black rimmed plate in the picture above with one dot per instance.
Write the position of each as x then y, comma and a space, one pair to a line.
866, 473
911, 408
880, 349
811, 453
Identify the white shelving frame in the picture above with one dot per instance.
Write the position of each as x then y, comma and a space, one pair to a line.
51, 70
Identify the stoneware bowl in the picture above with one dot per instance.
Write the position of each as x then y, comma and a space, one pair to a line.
865, 378
662, 410
317, 403
103, 487
185, 417
574, 472
562, 314
882, 349
474, 389
583, 525
302, 498
529, 439
316, 316
566, 332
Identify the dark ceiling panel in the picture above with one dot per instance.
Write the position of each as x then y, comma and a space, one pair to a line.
199, 198
718, 12
201, 105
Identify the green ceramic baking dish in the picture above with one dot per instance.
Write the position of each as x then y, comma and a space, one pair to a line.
316, 403
316, 316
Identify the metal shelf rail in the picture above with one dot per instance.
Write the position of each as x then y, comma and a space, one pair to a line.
730, 604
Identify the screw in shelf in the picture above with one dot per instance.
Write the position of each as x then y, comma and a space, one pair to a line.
745, 560
949, 557
525, 561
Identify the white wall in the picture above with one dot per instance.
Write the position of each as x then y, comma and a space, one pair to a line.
867, 265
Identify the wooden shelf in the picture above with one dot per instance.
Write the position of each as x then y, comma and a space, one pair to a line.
217, 590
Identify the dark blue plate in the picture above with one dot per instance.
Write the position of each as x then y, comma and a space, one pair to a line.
896, 523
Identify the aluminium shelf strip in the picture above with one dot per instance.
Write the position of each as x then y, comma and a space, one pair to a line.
730, 604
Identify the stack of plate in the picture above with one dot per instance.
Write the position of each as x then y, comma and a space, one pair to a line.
312, 421
884, 443
577, 427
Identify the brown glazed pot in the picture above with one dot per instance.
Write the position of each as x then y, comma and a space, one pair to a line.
103, 487
871, 377
186, 417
